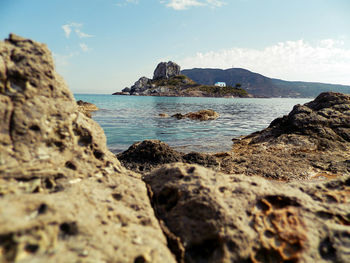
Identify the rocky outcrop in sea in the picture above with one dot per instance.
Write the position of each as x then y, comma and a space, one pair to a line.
167, 81
166, 70
64, 197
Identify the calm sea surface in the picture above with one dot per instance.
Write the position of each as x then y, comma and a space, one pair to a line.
128, 119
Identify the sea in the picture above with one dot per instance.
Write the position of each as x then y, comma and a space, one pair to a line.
129, 119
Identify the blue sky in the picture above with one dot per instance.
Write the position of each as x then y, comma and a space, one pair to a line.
102, 46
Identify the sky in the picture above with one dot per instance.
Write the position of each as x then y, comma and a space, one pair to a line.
102, 46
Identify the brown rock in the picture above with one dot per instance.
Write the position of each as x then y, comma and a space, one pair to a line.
213, 217
325, 122
206, 160
312, 140
163, 115
86, 107
146, 155
202, 115
63, 196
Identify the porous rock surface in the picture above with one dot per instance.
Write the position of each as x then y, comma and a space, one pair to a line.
86, 107
201, 115
215, 217
63, 196
325, 120
166, 70
312, 140
146, 155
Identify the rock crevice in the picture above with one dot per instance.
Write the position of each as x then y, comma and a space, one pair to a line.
235, 218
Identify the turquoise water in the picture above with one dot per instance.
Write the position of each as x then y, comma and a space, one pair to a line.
128, 119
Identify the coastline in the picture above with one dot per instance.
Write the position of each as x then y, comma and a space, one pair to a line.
138, 117
253, 97
281, 194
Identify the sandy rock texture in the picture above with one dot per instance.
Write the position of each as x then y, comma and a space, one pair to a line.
86, 107
215, 217
63, 196
313, 140
201, 115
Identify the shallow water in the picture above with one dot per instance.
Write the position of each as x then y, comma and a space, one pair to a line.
128, 119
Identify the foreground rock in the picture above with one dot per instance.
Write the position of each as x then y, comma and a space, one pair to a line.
86, 107
201, 115
312, 141
63, 196
149, 154
213, 217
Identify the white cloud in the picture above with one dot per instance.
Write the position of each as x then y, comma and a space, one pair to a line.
326, 61
76, 28
82, 34
126, 2
84, 47
185, 4
67, 30
215, 3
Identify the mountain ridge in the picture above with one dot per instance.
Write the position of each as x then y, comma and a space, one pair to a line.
260, 85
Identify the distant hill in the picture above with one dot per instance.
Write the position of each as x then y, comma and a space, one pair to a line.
167, 81
259, 85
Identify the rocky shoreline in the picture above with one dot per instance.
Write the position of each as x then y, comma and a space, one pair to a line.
280, 195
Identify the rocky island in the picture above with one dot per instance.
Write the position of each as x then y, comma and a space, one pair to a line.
168, 81
280, 195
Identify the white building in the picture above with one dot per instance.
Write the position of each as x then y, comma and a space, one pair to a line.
220, 84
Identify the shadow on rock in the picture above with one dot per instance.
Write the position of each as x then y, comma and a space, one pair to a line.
149, 154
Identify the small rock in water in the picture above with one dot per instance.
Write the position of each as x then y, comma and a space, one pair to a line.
202, 115
163, 115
